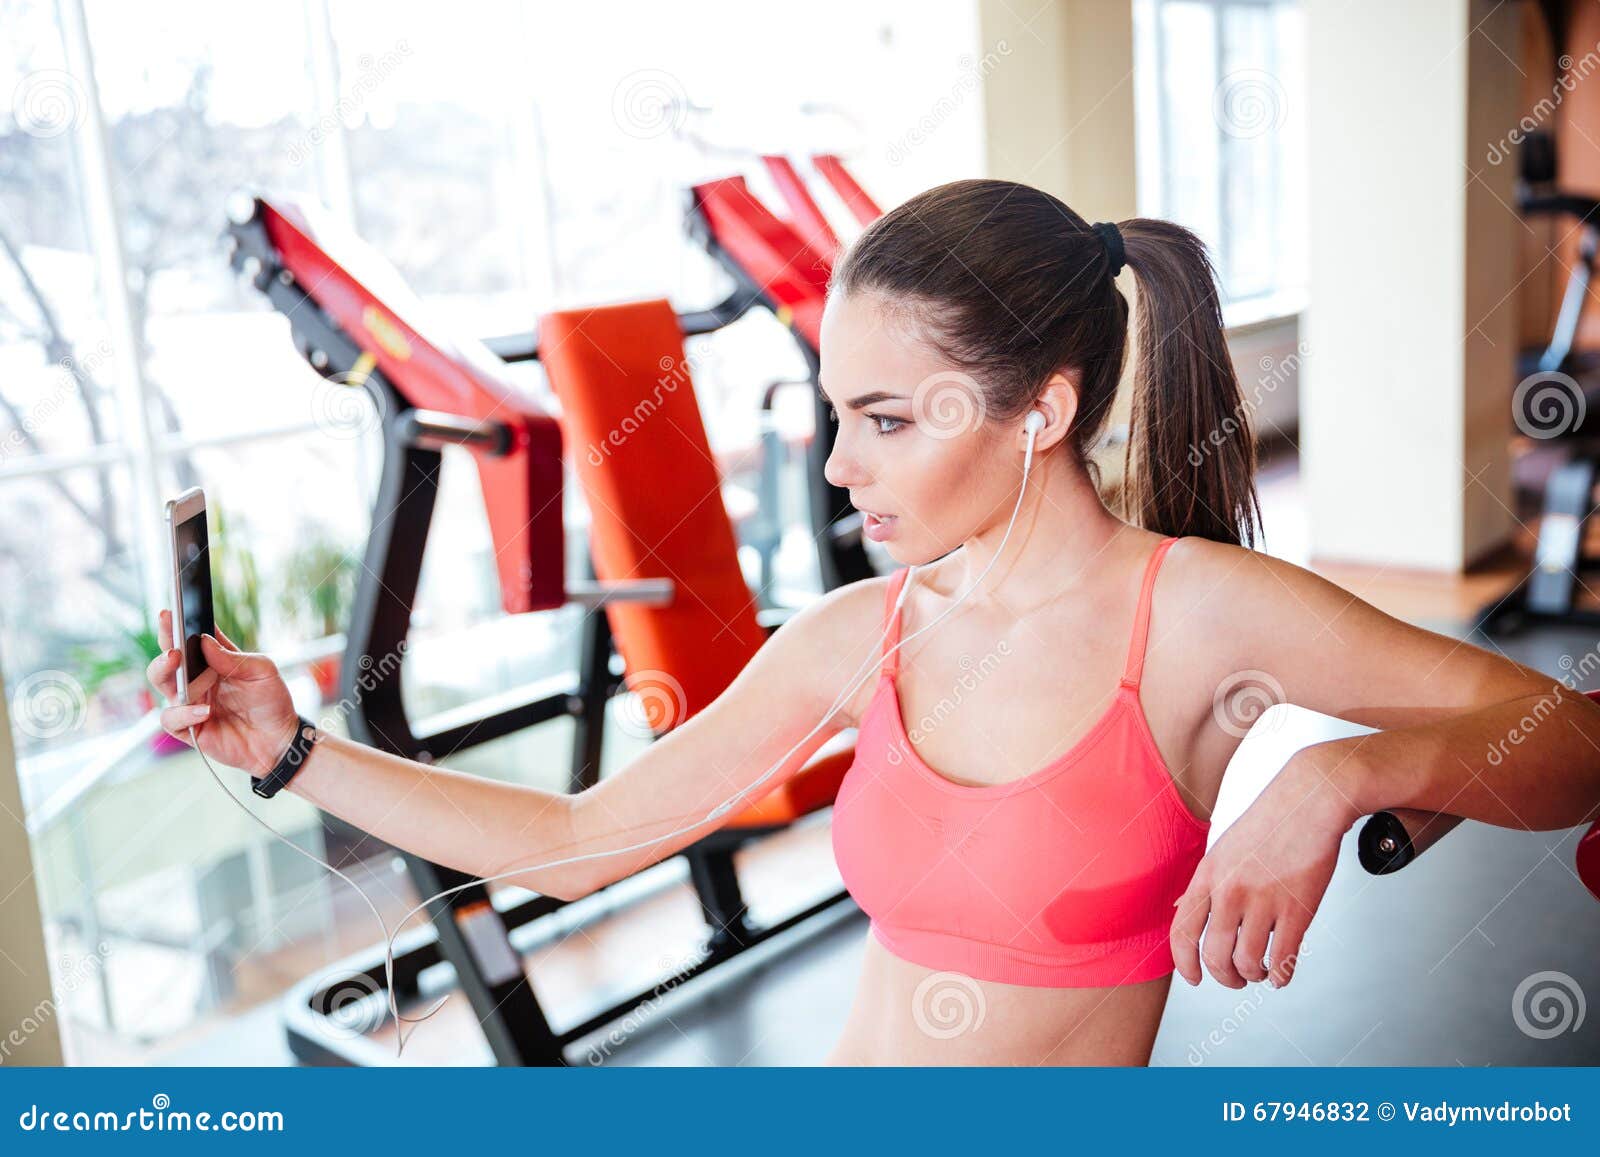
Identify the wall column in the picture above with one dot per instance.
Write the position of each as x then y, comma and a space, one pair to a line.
27, 1006
1410, 331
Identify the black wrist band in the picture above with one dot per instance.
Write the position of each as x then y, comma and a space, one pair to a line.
290, 762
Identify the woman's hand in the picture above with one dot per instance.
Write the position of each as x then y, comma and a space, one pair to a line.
1266, 876
239, 706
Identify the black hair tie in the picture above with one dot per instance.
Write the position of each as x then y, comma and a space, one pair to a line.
1111, 237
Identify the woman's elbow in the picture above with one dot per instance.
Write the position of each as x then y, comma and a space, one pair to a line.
545, 854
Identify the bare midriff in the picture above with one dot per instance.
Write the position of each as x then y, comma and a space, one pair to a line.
905, 1014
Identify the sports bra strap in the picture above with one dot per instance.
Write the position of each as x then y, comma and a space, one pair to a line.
895, 592
1141, 618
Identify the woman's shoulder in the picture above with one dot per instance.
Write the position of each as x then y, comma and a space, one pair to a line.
838, 636
1202, 564
1222, 598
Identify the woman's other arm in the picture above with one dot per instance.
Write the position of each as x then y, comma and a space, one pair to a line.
244, 719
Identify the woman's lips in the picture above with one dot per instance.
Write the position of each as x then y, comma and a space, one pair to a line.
878, 527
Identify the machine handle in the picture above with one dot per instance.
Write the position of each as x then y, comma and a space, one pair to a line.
524, 347
434, 430
1390, 840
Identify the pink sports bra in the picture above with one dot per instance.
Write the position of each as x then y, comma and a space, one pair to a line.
1064, 878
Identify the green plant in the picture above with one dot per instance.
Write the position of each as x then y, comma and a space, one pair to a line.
235, 586
130, 651
319, 586
236, 603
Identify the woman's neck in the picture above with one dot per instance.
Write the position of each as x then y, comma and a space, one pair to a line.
1063, 534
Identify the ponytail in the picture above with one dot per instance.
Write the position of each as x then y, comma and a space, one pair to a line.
1189, 466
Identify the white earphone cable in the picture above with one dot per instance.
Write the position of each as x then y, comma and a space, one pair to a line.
720, 810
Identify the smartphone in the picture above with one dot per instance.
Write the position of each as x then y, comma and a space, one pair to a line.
191, 581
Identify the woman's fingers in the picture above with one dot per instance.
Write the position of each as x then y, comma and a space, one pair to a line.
1193, 908
227, 664
164, 630
1252, 946
201, 685
227, 642
1221, 935
1287, 936
163, 672
176, 721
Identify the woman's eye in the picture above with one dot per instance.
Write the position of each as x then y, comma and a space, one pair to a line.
885, 424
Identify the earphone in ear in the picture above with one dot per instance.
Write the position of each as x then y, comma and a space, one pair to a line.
1034, 423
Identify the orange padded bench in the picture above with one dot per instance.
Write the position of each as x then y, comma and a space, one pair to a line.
638, 446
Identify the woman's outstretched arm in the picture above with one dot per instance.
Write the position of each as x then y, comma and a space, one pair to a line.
245, 718
740, 746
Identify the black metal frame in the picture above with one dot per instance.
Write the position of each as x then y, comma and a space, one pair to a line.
1548, 593
468, 931
835, 524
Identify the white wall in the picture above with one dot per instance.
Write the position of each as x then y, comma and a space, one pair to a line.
1059, 110
1410, 338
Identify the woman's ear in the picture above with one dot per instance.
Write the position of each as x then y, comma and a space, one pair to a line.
1059, 403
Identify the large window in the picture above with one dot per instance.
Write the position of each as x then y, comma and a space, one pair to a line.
1221, 132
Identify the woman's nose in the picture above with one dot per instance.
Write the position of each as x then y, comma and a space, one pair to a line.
840, 470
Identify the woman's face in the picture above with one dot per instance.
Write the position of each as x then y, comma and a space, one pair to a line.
912, 446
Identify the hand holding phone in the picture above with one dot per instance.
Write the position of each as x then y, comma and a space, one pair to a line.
237, 701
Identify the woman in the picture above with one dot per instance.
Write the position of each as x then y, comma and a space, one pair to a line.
1037, 835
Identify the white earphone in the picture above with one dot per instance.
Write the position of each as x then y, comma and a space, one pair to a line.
1032, 424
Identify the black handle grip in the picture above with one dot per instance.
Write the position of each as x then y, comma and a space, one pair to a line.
1384, 844
1390, 840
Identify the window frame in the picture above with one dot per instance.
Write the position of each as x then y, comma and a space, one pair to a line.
1160, 190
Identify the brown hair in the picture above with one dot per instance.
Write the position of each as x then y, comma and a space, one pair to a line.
1011, 285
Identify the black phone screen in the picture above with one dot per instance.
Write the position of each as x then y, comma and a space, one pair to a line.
194, 590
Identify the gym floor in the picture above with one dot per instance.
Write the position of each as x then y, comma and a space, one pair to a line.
1437, 965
